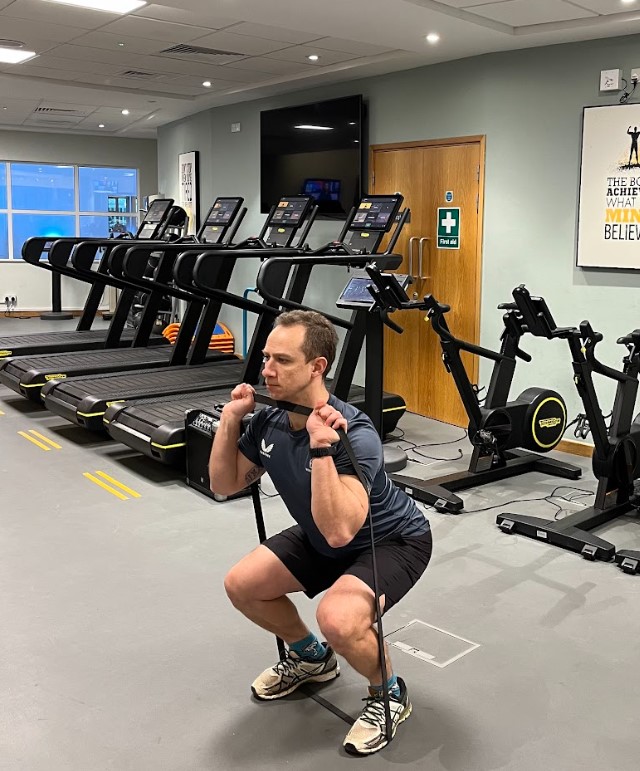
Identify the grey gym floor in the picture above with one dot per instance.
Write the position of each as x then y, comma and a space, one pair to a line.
119, 649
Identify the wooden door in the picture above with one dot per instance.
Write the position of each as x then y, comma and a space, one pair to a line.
424, 174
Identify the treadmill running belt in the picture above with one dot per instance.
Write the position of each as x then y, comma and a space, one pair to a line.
85, 400
29, 374
61, 342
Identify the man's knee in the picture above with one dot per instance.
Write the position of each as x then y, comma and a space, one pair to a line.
242, 585
343, 619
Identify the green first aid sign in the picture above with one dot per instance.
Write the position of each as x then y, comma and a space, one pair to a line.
448, 228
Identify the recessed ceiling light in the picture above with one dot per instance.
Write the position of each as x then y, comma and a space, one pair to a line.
352, 123
207, 84
15, 56
433, 37
125, 112
100, 125
356, 141
121, 45
111, 6
311, 127
313, 57
627, 2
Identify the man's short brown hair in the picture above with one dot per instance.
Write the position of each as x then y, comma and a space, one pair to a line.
320, 337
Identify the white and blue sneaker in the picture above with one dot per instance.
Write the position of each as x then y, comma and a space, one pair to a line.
368, 733
284, 677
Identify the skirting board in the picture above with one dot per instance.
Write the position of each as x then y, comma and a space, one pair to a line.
575, 448
33, 314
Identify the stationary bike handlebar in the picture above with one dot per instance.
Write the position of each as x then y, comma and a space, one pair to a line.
590, 338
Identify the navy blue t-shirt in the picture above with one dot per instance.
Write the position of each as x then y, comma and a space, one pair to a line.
270, 443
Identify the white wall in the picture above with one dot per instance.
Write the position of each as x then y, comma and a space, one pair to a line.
31, 285
529, 106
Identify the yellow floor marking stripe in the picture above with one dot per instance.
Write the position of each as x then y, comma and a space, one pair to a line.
115, 482
35, 441
104, 486
46, 439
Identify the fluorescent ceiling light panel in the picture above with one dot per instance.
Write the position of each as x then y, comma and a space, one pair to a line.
311, 127
15, 55
111, 6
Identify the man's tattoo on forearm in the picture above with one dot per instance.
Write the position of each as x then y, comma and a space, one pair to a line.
252, 475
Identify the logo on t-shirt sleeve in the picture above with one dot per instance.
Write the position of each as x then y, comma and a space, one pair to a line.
265, 449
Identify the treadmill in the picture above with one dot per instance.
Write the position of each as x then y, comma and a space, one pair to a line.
27, 375
83, 400
58, 252
156, 427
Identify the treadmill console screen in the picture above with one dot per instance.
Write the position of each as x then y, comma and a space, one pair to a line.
220, 216
158, 210
356, 293
290, 211
376, 212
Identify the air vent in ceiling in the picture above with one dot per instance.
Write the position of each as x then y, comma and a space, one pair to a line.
139, 75
68, 112
200, 54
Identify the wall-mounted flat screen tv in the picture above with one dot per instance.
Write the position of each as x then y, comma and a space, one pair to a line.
314, 149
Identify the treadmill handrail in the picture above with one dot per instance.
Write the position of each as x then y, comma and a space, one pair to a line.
387, 261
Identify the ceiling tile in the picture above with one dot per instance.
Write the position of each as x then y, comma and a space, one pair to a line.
464, 3
606, 7
208, 19
33, 70
36, 10
21, 29
135, 45
17, 109
275, 66
273, 33
350, 46
242, 44
66, 67
519, 13
84, 53
155, 30
300, 54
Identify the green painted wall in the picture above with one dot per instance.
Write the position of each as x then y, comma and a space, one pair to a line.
529, 105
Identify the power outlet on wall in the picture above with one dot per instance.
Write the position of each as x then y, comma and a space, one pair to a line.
635, 75
10, 301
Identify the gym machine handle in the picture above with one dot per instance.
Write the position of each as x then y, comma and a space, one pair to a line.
412, 240
420, 253
590, 339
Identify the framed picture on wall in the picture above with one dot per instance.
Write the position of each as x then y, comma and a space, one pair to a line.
609, 208
189, 187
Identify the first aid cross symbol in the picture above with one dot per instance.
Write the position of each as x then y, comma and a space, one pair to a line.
449, 222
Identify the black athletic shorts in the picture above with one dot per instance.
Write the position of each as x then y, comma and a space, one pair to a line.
400, 562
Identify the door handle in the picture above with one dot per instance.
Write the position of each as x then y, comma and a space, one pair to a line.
420, 252
412, 240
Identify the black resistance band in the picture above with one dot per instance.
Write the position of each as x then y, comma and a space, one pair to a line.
302, 410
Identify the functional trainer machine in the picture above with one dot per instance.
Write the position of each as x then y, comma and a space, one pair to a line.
616, 455
535, 420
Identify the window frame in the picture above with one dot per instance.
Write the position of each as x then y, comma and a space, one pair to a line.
76, 213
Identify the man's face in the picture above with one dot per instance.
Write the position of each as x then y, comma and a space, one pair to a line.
285, 370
